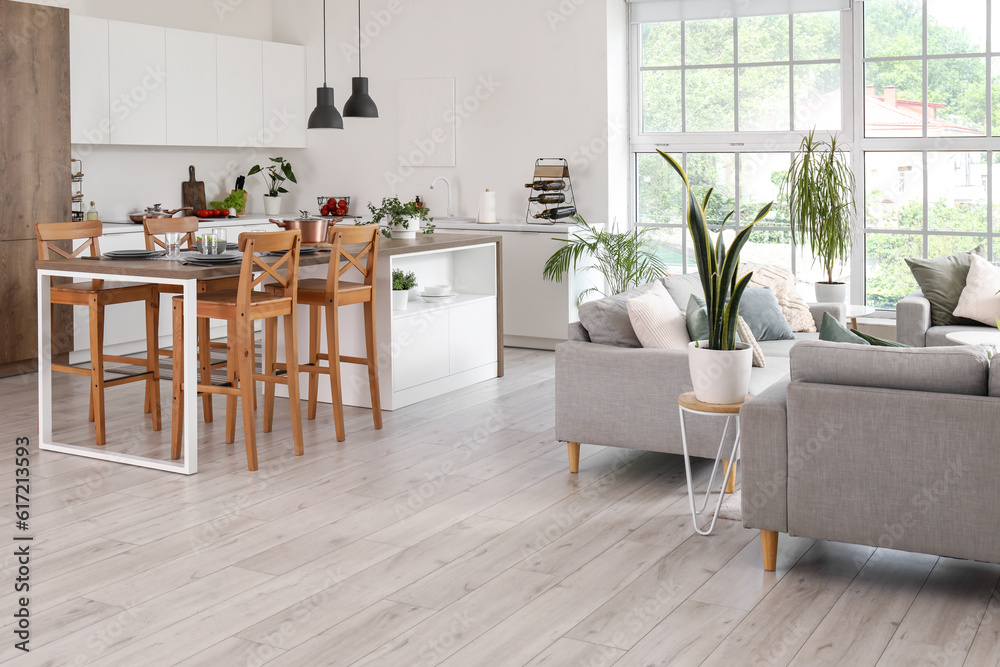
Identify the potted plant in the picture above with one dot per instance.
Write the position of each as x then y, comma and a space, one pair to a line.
720, 366
400, 219
402, 283
820, 185
624, 259
274, 175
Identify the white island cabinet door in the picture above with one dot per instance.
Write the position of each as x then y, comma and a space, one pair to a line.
285, 112
239, 91
192, 109
138, 90
90, 121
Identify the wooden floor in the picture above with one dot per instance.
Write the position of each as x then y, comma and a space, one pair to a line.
454, 536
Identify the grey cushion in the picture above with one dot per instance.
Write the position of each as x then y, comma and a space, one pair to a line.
942, 280
681, 287
697, 318
947, 370
834, 332
577, 332
995, 376
937, 336
762, 378
774, 349
607, 321
760, 309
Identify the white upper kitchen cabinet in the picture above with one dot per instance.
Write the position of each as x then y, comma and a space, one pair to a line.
240, 87
192, 107
285, 114
88, 81
138, 74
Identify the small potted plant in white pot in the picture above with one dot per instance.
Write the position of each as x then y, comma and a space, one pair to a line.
720, 366
274, 175
820, 184
399, 220
402, 283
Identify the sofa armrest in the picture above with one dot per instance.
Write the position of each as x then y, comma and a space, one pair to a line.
764, 457
578, 332
835, 309
913, 319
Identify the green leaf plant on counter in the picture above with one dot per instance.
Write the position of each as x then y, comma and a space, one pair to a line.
718, 266
402, 280
393, 213
237, 199
275, 175
625, 259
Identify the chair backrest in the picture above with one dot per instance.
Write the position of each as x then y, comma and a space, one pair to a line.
286, 243
48, 233
365, 259
154, 228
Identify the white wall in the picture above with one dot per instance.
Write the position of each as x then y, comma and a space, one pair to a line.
534, 78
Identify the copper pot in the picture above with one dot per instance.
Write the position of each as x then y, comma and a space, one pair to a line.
314, 230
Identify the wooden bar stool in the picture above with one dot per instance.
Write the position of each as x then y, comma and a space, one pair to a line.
330, 294
154, 229
96, 295
240, 308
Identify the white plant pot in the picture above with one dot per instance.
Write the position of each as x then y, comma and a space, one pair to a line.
398, 232
831, 292
720, 376
400, 297
272, 205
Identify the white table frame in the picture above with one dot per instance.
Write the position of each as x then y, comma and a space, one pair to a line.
730, 472
189, 453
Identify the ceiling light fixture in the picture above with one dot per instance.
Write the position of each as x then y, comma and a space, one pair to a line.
325, 115
360, 104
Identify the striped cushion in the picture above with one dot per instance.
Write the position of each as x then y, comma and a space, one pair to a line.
657, 320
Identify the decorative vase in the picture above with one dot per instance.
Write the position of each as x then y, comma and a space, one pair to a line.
400, 297
272, 205
720, 376
831, 292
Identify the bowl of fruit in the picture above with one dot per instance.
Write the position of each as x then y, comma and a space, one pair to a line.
334, 206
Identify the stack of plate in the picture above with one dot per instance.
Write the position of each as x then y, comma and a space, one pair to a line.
439, 298
133, 254
199, 259
303, 250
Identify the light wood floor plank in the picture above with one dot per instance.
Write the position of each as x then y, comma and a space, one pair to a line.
685, 637
573, 652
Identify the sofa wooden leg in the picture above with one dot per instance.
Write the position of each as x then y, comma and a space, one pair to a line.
573, 448
729, 477
769, 546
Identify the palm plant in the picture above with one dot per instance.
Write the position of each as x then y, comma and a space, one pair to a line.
718, 266
821, 188
625, 259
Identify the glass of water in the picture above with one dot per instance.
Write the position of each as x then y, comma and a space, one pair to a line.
219, 235
173, 240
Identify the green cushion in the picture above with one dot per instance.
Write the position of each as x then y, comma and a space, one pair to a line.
697, 318
942, 280
833, 331
878, 342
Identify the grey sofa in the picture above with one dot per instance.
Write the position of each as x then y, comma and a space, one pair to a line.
913, 323
886, 447
627, 397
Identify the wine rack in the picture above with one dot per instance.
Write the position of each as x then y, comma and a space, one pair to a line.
76, 193
550, 171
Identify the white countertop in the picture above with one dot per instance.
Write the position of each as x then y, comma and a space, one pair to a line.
114, 227
510, 226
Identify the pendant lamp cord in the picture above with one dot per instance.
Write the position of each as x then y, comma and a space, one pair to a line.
359, 38
324, 43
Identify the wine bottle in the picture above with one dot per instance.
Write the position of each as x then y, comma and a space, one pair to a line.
557, 213
546, 185
549, 198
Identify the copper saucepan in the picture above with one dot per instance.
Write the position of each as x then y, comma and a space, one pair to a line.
314, 230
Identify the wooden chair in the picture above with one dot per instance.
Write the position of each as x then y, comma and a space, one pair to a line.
240, 308
96, 295
330, 294
154, 229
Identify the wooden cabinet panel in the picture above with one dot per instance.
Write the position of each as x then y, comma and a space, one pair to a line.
137, 67
91, 102
34, 118
192, 109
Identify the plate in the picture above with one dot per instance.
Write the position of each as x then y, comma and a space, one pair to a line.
215, 259
132, 254
201, 262
444, 298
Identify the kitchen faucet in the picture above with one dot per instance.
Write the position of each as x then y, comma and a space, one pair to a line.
451, 213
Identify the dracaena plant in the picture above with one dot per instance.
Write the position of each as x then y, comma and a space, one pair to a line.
718, 266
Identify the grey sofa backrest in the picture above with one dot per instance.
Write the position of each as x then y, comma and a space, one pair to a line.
995, 376
948, 370
578, 332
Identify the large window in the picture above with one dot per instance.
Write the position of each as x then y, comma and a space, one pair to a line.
911, 86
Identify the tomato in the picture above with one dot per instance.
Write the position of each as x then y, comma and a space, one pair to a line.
332, 202
342, 203
202, 213
325, 210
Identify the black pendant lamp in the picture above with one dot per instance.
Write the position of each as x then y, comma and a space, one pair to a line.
360, 105
325, 115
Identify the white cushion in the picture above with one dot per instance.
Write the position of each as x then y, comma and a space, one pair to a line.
979, 300
782, 283
657, 320
746, 336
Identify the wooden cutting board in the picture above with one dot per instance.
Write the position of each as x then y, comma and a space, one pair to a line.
193, 193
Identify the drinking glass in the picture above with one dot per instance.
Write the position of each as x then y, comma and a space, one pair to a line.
206, 243
173, 240
219, 235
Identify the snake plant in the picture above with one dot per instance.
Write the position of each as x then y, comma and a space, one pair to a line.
718, 265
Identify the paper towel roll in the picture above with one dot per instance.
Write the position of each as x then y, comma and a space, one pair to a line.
487, 208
